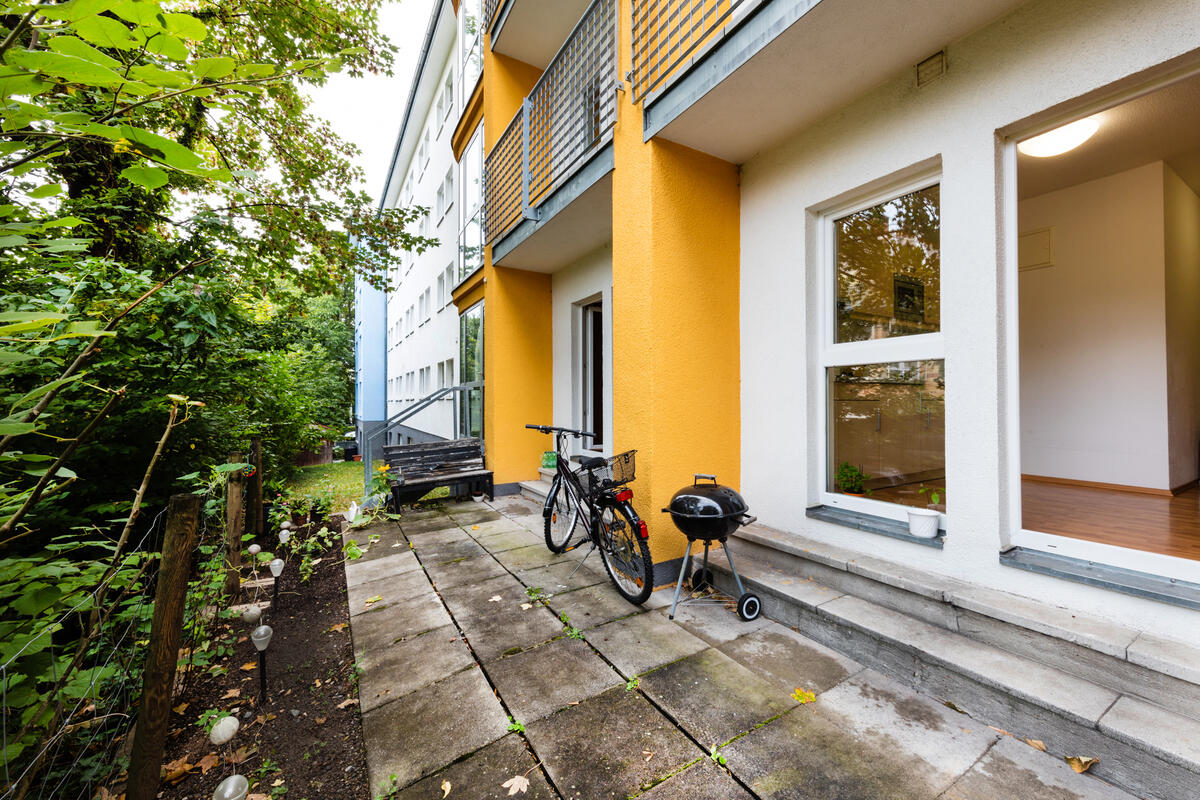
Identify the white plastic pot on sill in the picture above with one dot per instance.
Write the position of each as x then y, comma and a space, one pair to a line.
923, 522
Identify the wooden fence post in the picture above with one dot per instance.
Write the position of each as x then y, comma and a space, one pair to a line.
255, 525
162, 656
233, 528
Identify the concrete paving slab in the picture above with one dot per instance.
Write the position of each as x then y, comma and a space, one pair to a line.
593, 606
553, 578
713, 697
397, 562
431, 728
641, 643
540, 681
469, 517
383, 626
450, 549
704, 780
509, 631
531, 557
463, 506
427, 538
387, 543
596, 749
501, 525
473, 599
1012, 770
391, 672
414, 513
869, 737
481, 776
789, 660
716, 623
506, 540
428, 524
516, 506
392, 589
467, 570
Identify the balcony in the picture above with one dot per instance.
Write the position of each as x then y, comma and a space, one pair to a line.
549, 172
531, 30
734, 77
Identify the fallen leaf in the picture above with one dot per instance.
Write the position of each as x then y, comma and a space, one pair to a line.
175, 771
257, 796
278, 782
370, 601
353, 701
1081, 764
526, 606
648, 755
802, 697
515, 784
495, 598
242, 753
207, 763
179, 709
398, 544
341, 626
1000, 731
243, 639
317, 683
446, 785
320, 720
249, 665
474, 527
1036, 743
232, 693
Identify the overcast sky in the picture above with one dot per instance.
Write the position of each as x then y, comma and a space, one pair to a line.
368, 110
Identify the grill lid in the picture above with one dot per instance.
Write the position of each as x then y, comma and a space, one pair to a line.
707, 500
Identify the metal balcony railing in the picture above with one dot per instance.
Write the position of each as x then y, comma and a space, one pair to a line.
566, 115
666, 32
490, 7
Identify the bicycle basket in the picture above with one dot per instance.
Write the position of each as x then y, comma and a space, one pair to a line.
621, 466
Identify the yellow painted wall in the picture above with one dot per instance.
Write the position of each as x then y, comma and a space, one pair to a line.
506, 82
676, 364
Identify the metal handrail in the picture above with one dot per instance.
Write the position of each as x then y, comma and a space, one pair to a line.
372, 435
562, 119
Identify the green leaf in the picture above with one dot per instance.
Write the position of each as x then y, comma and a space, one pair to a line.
353, 51
157, 76
68, 68
187, 27
256, 70
106, 32
73, 46
76, 9
138, 12
30, 316
146, 177
12, 241
160, 148
15, 428
22, 84
215, 67
46, 190
168, 46
14, 357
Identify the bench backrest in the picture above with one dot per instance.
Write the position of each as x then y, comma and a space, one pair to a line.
433, 455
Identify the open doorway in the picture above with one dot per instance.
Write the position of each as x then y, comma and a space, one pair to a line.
1108, 221
591, 378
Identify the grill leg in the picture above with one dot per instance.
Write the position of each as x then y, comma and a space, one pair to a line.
704, 565
733, 569
687, 557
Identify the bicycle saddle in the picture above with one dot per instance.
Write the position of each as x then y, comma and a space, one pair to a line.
592, 462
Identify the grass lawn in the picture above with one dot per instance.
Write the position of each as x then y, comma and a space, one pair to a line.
344, 480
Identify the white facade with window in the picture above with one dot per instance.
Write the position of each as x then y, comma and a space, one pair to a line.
422, 333
1039, 67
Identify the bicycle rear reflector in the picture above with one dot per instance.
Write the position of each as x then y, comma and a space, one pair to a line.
645, 534
625, 495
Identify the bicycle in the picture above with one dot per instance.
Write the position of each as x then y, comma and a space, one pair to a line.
596, 499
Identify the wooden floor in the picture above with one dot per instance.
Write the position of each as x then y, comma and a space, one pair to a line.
1166, 525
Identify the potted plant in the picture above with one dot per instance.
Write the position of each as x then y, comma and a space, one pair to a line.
923, 522
850, 479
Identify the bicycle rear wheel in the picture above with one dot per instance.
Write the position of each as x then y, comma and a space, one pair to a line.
564, 517
626, 555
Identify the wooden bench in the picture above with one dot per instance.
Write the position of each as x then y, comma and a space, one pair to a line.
418, 469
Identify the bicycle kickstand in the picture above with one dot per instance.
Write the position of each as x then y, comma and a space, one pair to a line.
580, 564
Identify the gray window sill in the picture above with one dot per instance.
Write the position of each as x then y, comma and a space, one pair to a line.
872, 524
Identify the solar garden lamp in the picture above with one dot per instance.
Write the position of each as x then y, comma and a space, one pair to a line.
224, 730
254, 551
276, 571
261, 637
252, 614
235, 787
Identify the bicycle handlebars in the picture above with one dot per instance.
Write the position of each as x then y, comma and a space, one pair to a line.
569, 431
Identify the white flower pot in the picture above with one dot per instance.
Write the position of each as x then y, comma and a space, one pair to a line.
923, 522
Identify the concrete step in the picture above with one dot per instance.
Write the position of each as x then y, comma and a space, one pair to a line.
535, 490
1146, 748
1122, 658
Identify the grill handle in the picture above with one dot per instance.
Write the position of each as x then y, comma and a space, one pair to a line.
749, 519
700, 476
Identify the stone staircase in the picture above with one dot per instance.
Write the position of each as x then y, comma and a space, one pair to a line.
1082, 686
538, 489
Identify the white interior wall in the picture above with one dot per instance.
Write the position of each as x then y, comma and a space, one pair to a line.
1046, 53
1093, 334
582, 281
1182, 254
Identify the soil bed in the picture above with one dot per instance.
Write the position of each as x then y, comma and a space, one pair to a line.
306, 742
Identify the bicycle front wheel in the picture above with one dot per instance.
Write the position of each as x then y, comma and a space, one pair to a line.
564, 516
626, 555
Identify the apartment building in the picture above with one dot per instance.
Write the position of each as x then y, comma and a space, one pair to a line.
954, 246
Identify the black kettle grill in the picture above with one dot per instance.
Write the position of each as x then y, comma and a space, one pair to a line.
710, 512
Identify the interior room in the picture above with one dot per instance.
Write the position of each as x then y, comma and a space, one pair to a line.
1109, 277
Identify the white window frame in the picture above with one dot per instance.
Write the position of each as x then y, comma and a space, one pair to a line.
830, 353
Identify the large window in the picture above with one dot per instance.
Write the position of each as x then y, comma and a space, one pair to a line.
470, 359
470, 237
470, 16
882, 354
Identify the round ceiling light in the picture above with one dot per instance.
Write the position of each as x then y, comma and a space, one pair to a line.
1060, 140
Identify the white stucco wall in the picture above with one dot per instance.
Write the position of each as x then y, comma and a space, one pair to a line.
1044, 54
1094, 334
584, 281
1182, 253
